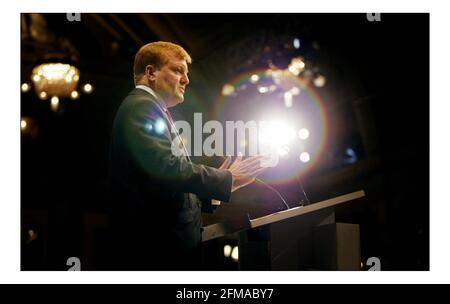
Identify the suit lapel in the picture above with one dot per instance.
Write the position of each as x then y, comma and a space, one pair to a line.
172, 129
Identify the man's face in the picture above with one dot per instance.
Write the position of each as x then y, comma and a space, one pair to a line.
171, 80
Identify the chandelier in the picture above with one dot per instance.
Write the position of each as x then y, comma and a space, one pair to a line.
55, 79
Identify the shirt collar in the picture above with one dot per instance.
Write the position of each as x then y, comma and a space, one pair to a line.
153, 93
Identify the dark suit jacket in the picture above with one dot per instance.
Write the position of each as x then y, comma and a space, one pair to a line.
158, 196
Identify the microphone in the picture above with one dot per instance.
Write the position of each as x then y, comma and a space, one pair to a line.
274, 190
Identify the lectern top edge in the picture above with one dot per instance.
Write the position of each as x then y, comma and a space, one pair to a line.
231, 226
285, 214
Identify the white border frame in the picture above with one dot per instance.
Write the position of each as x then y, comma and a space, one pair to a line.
10, 155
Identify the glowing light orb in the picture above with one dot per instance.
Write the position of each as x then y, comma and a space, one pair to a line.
23, 124
227, 251
25, 87
263, 90
296, 43
303, 133
87, 88
227, 90
254, 78
320, 81
160, 126
74, 95
276, 133
288, 99
304, 157
54, 103
235, 254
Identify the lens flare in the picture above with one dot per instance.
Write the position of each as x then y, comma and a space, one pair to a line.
307, 117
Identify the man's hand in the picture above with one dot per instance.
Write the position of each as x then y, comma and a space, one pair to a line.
243, 172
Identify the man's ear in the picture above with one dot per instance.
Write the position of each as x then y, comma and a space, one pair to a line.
150, 72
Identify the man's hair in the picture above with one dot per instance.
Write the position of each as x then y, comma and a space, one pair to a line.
156, 53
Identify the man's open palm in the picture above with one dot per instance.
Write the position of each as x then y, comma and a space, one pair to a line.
243, 172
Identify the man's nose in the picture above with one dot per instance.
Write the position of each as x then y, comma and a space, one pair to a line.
185, 80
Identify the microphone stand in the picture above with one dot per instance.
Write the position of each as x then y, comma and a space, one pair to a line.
306, 200
274, 190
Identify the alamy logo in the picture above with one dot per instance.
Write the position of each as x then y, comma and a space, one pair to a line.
75, 263
373, 17
73, 17
270, 138
375, 263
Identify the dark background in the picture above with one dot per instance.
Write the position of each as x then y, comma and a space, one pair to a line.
376, 98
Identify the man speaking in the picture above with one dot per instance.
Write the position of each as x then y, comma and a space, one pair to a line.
158, 194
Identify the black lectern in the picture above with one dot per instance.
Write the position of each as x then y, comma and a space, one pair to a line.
300, 238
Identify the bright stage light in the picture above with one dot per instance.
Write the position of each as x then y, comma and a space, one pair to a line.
304, 157
43, 95
276, 134
227, 251
235, 254
296, 43
23, 124
74, 95
25, 87
87, 88
320, 81
303, 133
254, 78
274, 139
263, 90
297, 66
54, 103
227, 89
